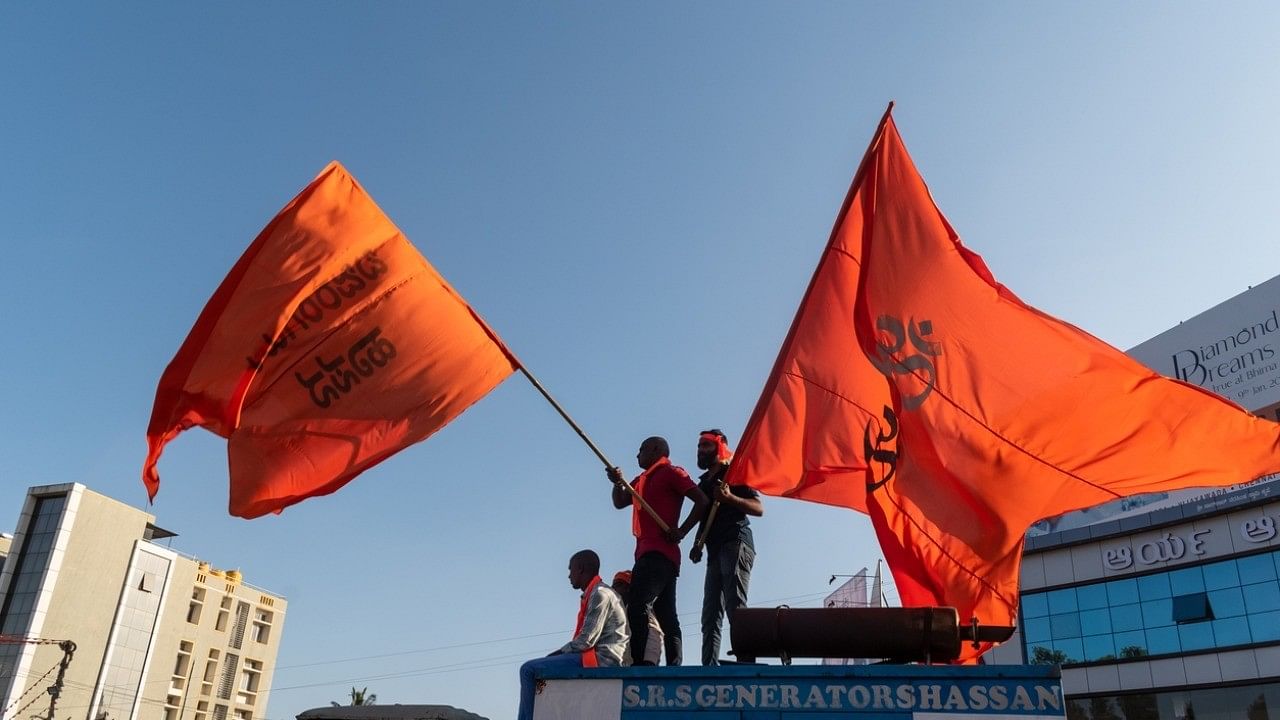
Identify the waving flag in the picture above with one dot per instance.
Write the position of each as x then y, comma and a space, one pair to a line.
331, 345
984, 414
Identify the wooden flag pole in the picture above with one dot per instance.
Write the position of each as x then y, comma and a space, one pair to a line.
635, 496
711, 517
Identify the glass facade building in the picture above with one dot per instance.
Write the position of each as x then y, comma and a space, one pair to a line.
1169, 615
1248, 702
27, 571
1222, 604
30, 563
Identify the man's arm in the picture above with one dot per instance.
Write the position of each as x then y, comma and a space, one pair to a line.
621, 496
749, 505
700, 505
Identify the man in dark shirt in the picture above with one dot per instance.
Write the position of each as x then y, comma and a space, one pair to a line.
730, 548
653, 580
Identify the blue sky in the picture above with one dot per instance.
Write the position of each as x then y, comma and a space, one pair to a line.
634, 196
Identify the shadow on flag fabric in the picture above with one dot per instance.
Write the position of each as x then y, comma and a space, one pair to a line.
961, 414
331, 345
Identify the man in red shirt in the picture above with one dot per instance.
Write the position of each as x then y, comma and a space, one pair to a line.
653, 580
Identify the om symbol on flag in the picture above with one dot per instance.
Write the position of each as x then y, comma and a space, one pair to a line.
877, 452
919, 365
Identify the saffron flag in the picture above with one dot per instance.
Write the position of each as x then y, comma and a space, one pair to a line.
983, 414
331, 345
796, 443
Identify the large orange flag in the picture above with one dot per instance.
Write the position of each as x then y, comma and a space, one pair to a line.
331, 345
981, 415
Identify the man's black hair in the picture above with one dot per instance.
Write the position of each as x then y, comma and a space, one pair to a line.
663, 446
587, 560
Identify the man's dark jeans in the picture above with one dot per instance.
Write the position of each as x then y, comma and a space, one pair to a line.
728, 574
653, 586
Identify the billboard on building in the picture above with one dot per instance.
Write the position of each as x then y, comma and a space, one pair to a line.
1232, 349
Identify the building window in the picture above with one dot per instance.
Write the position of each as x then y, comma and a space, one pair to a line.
183, 664
196, 606
250, 677
210, 673
1216, 605
250, 674
30, 564
1192, 608
223, 613
262, 626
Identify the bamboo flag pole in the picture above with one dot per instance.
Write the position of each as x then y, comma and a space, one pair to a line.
635, 496
711, 517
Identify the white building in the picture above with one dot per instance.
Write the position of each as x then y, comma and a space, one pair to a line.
157, 634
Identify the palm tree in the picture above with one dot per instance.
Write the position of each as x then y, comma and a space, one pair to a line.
359, 697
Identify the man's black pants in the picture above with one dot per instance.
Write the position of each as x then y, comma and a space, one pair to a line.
653, 587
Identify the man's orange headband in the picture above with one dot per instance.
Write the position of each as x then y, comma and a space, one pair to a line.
723, 453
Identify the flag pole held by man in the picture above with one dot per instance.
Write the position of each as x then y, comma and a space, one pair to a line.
916, 388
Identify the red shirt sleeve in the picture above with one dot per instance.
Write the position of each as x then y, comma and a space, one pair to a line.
680, 482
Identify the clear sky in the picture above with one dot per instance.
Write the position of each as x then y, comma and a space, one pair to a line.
634, 196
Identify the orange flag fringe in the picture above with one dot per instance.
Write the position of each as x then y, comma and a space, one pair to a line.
964, 415
331, 345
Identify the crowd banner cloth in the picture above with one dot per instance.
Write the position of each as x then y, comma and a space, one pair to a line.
914, 387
